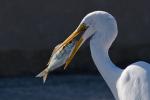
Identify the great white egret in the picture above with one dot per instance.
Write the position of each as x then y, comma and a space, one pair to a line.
132, 83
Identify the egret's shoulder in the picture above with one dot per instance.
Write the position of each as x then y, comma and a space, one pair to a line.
136, 68
139, 64
134, 81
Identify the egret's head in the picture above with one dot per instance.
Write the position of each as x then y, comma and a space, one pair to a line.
96, 22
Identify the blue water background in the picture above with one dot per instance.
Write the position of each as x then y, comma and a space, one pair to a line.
57, 87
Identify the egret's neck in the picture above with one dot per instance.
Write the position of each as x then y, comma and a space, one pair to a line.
108, 70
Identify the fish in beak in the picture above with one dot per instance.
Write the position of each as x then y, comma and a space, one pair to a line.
57, 59
82, 28
64, 52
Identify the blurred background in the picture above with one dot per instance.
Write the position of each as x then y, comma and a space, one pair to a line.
30, 29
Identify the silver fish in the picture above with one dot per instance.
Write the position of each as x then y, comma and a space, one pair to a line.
57, 59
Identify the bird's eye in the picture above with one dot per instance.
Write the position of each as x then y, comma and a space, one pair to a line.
82, 27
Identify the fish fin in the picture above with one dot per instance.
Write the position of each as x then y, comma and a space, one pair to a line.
43, 74
56, 48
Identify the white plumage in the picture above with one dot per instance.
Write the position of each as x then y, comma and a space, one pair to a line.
132, 83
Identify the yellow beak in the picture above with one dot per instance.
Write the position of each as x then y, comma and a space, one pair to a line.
78, 44
76, 48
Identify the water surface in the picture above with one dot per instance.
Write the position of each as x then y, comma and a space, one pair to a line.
60, 87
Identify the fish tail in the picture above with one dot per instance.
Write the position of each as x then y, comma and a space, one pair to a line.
43, 74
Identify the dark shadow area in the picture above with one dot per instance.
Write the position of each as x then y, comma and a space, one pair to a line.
30, 29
